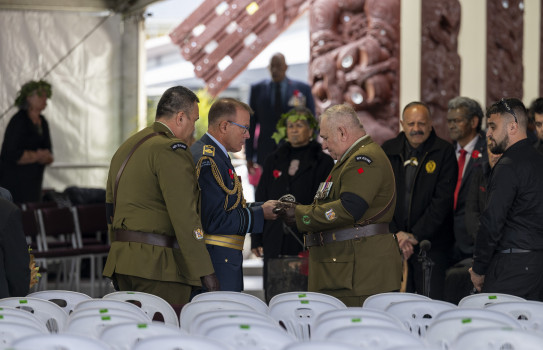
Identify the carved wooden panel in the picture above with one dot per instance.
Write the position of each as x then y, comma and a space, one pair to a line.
504, 72
355, 47
440, 62
222, 37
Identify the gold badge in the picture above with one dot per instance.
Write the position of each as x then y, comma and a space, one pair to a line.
209, 150
198, 234
430, 167
330, 215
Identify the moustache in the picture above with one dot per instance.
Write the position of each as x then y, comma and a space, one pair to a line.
415, 133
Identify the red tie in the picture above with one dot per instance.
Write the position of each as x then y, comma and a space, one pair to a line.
461, 161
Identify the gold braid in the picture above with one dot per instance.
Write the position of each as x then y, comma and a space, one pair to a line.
218, 178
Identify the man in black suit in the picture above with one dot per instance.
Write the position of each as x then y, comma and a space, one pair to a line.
14, 256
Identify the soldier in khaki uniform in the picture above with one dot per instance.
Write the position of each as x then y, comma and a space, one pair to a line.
152, 194
352, 255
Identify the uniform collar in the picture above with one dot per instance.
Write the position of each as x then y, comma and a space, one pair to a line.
346, 154
218, 144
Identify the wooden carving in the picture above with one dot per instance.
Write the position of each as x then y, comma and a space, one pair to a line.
355, 59
504, 72
440, 62
222, 37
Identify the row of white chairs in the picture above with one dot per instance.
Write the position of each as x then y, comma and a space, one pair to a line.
386, 321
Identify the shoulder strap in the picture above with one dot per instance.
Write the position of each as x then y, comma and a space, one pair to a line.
121, 169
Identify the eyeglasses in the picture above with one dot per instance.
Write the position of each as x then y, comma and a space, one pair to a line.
246, 128
509, 109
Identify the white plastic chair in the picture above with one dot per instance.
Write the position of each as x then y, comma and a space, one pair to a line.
194, 308
124, 336
59, 341
319, 345
478, 313
49, 313
322, 329
357, 311
417, 315
6, 313
99, 304
245, 298
498, 339
9, 332
92, 326
250, 336
529, 313
66, 299
382, 300
374, 337
298, 316
204, 321
483, 299
307, 296
150, 303
176, 342
443, 332
137, 317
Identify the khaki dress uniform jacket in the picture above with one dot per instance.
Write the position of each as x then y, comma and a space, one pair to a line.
362, 266
157, 193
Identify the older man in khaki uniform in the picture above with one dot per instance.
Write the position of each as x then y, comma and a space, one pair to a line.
153, 198
352, 255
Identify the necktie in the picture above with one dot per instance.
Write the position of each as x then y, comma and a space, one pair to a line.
278, 99
461, 161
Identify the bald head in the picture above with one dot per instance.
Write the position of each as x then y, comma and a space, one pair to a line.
278, 67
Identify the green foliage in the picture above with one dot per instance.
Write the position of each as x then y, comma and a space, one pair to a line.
206, 100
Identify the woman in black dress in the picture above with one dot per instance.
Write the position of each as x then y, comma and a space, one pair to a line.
26, 149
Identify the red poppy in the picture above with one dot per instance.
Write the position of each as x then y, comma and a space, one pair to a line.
231, 172
296, 93
276, 173
476, 154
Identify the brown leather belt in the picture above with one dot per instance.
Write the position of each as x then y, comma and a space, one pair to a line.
147, 238
345, 234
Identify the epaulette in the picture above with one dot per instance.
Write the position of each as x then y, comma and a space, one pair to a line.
209, 151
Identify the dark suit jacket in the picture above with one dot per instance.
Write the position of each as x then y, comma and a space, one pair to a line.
464, 241
14, 257
264, 114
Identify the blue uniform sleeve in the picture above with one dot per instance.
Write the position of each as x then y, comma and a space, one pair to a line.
216, 219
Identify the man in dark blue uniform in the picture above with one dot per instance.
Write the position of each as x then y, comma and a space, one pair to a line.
226, 218
508, 255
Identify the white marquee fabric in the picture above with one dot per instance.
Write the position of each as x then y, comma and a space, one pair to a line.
84, 111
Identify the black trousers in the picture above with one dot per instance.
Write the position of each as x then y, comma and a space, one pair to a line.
519, 274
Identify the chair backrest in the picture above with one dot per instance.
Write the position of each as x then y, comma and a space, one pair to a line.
307, 296
417, 315
58, 224
248, 299
195, 308
443, 332
50, 314
103, 305
150, 303
30, 228
60, 341
124, 336
66, 299
201, 320
30, 318
358, 312
322, 329
298, 316
137, 317
529, 313
31, 206
497, 338
22, 319
375, 337
92, 326
483, 299
383, 300
210, 323
12, 331
250, 336
185, 342
466, 313
91, 220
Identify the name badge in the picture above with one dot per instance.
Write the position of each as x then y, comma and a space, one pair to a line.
324, 190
